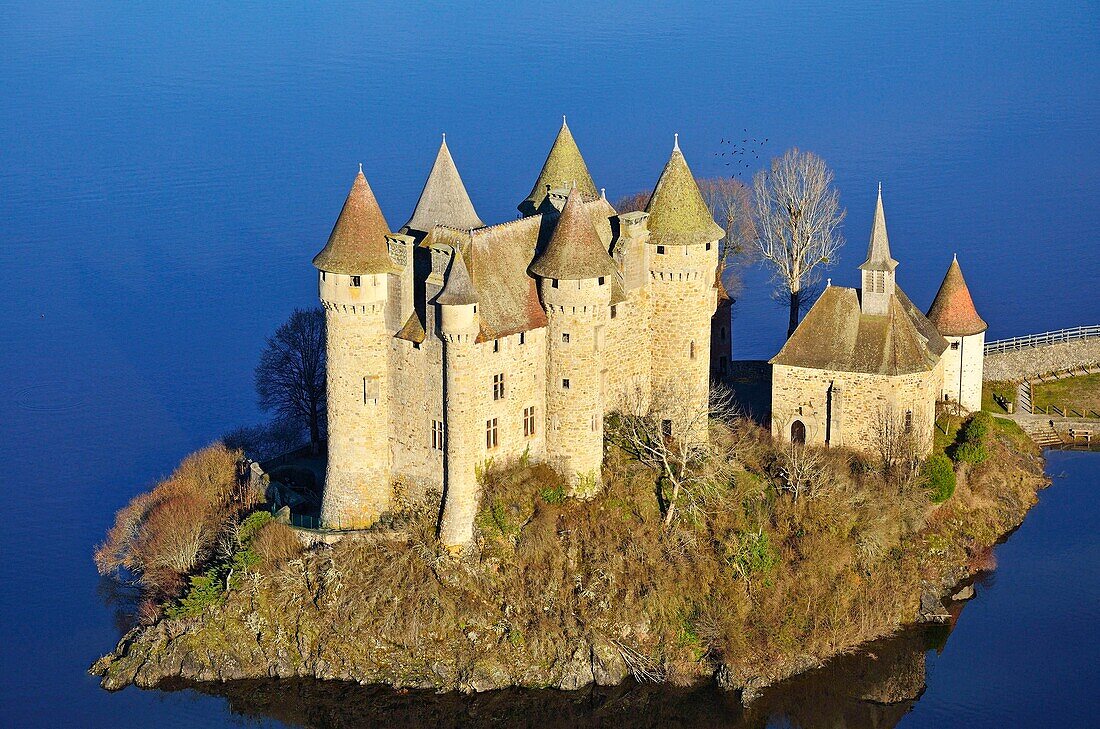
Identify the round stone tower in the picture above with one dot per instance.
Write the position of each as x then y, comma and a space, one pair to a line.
575, 275
354, 268
460, 323
683, 258
955, 317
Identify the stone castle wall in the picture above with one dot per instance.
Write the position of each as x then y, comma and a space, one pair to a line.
578, 314
416, 394
681, 333
357, 482
962, 370
857, 404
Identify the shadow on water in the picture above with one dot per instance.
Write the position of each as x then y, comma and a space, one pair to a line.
875, 687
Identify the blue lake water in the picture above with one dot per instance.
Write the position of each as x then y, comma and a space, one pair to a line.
168, 171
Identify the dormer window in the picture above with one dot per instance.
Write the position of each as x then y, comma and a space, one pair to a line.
355, 282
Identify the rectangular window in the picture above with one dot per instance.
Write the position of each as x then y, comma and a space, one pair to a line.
708, 246
496, 345
491, 434
691, 350
355, 282
908, 421
437, 435
322, 275
554, 283
565, 337
498, 386
523, 337
660, 249
601, 280
614, 311
529, 421
565, 383
954, 345
370, 389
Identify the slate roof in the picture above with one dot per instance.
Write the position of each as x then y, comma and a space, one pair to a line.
458, 289
575, 250
878, 250
678, 215
444, 200
564, 168
357, 244
952, 311
836, 335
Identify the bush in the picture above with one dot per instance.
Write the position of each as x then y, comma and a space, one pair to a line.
971, 452
976, 429
939, 478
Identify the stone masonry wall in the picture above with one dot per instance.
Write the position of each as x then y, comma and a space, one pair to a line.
684, 299
357, 482
859, 403
416, 394
627, 353
1034, 361
578, 313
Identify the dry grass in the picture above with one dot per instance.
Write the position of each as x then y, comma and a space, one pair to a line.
756, 578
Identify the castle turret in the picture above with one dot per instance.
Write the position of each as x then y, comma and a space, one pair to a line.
575, 283
955, 317
463, 450
878, 270
563, 170
354, 268
683, 265
444, 200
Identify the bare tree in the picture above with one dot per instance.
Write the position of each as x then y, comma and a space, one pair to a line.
803, 470
900, 440
730, 202
634, 202
798, 217
290, 378
669, 432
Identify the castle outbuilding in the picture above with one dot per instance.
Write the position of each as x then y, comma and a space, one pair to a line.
866, 364
452, 343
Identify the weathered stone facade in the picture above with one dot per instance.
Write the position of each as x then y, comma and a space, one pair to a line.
865, 366
467, 345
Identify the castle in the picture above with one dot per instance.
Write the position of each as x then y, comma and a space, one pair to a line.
866, 366
451, 342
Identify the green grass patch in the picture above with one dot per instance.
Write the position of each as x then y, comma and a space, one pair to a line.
1004, 390
1080, 393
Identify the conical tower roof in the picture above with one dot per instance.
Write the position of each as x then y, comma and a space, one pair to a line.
564, 168
952, 310
444, 199
678, 215
458, 289
878, 250
575, 250
357, 244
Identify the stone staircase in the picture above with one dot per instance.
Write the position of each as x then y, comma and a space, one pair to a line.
1040, 432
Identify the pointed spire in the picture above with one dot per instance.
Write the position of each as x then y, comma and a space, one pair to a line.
563, 165
678, 215
878, 250
952, 310
575, 250
458, 289
357, 244
444, 199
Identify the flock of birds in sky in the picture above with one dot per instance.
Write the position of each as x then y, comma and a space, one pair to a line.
739, 152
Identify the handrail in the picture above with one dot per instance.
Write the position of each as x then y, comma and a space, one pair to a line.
1040, 340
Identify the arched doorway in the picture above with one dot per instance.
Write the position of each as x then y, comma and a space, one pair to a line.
798, 432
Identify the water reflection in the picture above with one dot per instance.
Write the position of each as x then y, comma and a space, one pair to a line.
873, 688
